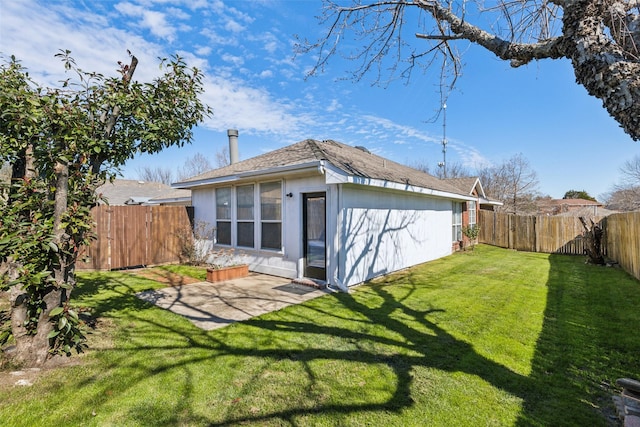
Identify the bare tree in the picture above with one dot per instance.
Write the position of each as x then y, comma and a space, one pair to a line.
454, 169
623, 198
599, 37
626, 195
222, 157
155, 174
193, 166
513, 182
630, 171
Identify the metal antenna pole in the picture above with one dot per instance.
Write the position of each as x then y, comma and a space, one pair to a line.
443, 163
444, 139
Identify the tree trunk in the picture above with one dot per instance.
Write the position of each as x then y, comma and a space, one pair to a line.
604, 68
32, 346
31, 349
593, 234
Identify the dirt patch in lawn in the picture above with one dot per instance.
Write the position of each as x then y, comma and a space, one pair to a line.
166, 277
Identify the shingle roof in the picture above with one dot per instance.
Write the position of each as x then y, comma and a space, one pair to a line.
351, 160
572, 202
466, 184
120, 191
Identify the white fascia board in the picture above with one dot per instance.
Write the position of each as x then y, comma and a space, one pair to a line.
309, 167
169, 200
338, 177
490, 202
333, 175
202, 182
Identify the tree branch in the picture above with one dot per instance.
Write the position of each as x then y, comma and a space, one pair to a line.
110, 119
518, 53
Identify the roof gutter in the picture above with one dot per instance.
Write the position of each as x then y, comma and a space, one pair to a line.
335, 177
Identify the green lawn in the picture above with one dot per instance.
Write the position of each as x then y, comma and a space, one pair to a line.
490, 337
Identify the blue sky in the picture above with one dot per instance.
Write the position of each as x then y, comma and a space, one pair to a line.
255, 85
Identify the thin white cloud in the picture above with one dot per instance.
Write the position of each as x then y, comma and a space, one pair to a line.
203, 50
156, 22
233, 59
234, 26
35, 30
333, 106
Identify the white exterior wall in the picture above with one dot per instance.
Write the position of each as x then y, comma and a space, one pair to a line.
383, 231
284, 263
370, 231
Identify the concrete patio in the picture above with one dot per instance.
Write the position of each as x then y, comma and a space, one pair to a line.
214, 305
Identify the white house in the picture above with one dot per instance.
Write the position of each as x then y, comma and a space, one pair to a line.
328, 211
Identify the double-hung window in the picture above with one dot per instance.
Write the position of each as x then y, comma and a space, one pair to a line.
223, 216
457, 222
250, 216
271, 215
472, 213
245, 216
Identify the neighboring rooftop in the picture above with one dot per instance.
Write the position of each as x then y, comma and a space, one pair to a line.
355, 161
570, 207
467, 184
132, 192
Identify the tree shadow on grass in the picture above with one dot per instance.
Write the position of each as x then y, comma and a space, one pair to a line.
413, 342
589, 339
570, 371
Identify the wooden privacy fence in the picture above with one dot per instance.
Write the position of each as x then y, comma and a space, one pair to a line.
548, 234
622, 240
564, 235
129, 236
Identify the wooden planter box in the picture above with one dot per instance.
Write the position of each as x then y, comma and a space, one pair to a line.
227, 273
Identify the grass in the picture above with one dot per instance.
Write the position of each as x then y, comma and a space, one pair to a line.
490, 337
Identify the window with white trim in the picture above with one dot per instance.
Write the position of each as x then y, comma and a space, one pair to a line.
250, 216
271, 215
245, 216
457, 221
472, 212
223, 216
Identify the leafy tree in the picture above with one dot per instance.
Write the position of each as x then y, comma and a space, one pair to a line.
471, 232
601, 38
62, 143
574, 194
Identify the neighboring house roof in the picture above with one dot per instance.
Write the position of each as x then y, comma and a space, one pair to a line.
587, 211
133, 192
572, 202
351, 161
173, 196
571, 207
